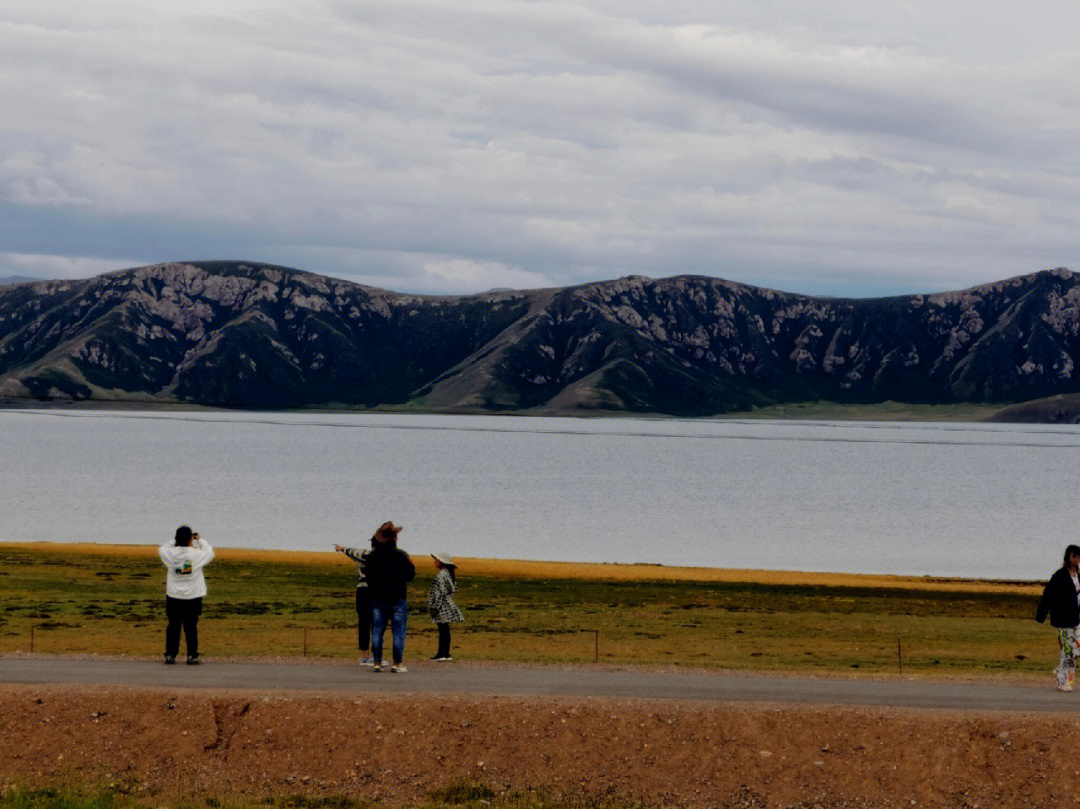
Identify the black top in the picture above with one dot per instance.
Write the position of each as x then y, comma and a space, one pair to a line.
1059, 598
389, 569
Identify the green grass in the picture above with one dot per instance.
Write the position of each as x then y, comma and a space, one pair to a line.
881, 411
113, 604
51, 798
471, 795
457, 796
814, 410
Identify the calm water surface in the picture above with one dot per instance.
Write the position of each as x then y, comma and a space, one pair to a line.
994, 501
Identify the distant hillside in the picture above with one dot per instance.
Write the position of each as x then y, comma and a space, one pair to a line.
258, 336
1060, 409
17, 279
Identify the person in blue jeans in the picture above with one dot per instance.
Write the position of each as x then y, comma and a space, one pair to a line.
389, 571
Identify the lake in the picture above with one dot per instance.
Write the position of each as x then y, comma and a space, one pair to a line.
986, 501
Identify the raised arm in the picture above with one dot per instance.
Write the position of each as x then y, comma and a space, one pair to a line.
204, 554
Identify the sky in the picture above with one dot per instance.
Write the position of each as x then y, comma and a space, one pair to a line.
828, 147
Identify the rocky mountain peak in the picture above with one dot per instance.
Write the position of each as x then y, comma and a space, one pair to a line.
246, 334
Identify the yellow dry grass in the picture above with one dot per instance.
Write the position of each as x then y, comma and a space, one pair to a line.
523, 569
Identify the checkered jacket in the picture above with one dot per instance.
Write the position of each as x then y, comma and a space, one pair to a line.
440, 599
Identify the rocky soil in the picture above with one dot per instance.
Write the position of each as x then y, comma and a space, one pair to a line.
168, 744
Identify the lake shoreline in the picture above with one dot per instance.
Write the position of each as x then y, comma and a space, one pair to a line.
525, 569
947, 501
968, 412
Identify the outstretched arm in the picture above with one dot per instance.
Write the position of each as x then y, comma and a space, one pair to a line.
353, 553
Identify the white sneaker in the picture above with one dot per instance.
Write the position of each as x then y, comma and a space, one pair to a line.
366, 661
447, 659
376, 666
1065, 687
398, 668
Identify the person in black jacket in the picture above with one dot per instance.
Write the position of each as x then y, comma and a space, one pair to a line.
1061, 600
389, 570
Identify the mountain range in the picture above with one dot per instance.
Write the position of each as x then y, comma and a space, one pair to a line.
251, 335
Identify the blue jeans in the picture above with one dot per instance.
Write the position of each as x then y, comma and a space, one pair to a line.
397, 612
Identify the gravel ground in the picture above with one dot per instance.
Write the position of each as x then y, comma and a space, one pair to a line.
173, 744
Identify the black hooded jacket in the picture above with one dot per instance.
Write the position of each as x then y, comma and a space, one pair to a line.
1059, 599
388, 570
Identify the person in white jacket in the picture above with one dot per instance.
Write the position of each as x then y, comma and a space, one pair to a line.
185, 587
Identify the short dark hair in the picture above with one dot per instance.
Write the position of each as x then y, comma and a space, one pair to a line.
1069, 551
183, 536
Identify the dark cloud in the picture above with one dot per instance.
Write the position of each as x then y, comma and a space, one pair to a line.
435, 147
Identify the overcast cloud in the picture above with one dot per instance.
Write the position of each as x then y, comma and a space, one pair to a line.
826, 147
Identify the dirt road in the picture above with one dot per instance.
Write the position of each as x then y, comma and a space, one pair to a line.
557, 681
251, 730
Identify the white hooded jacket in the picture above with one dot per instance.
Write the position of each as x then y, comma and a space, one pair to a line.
184, 564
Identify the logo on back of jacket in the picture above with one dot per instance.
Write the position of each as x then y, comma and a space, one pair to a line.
184, 569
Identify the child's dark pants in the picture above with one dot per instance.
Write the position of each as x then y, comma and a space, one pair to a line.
444, 640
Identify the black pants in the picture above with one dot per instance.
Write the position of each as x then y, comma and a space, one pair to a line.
363, 613
182, 612
444, 640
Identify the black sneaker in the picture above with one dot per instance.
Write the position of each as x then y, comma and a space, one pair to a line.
194, 661
170, 659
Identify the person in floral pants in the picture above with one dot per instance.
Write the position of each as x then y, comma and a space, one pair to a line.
1061, 601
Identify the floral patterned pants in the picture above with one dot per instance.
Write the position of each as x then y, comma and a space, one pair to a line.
1069, 640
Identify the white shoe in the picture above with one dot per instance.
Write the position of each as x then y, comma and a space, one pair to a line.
1065, 687
376, 666
398, 668
366, 661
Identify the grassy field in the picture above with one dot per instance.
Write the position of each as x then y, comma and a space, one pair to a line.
812, 411
881, 411
109, 600
459, 796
